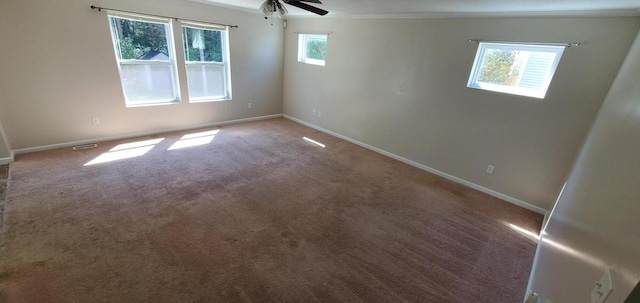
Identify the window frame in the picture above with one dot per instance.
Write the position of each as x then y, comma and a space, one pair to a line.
302, 48
224, 34
538, 93
171, 63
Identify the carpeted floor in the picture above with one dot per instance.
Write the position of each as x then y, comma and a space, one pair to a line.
255, 215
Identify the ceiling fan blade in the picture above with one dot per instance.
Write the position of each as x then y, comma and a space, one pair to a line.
312, 1
308, 7
281, 9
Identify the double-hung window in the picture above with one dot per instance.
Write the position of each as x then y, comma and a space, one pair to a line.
520, 69
312, 49
206, 59
146, 60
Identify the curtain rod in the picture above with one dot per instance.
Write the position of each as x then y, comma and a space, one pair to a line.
160, 16
566, 44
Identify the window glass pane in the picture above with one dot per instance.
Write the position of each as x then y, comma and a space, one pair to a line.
202, 45
316, 48
147, 82
140, 40
205, 80
499, 67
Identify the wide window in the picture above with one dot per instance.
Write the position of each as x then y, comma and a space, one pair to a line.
518, 69
146, 62
312, 49
206, 59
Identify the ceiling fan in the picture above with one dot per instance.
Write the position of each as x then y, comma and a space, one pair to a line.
274, 6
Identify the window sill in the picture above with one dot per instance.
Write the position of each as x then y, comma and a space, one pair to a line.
208, 100
313, 62
518, 91
159, 103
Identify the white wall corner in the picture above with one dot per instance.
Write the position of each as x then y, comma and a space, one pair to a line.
477, 187
6, 153
7, 160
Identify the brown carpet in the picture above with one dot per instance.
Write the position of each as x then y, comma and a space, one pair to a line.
256, 215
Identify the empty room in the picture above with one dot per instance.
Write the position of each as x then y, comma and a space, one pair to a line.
320, 151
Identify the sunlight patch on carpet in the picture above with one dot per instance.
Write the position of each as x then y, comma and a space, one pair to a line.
313, 142
126, 151
195, 139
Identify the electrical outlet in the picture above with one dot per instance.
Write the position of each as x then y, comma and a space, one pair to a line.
319, 114
95, 120
314, 112
250, 105
490, 169
603, 288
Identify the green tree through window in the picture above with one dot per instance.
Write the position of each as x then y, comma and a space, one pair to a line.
316, 49
202, 45
136, 38
497, 67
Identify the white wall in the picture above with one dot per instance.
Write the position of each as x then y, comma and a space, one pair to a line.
59, 70
595, 224
400, 85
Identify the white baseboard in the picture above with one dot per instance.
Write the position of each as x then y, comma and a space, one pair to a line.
133, 135
485, 190
367, 146
7, 160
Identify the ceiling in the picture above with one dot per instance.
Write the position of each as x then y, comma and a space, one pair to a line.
453, 8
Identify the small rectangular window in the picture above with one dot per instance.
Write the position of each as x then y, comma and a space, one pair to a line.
312, 49
206, 58
146, 62
519, 69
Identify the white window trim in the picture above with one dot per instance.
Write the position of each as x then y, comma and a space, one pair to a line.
171, 62
302, 48
225, 60
515, 90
